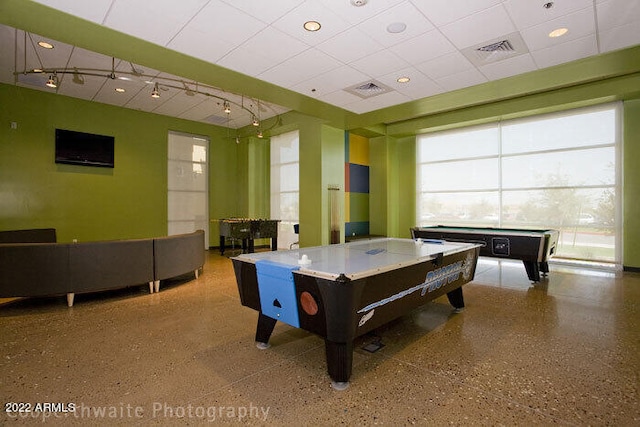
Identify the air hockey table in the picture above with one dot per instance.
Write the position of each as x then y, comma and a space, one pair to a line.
532, 247
346, 290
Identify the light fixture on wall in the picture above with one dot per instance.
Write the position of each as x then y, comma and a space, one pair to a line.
155, 93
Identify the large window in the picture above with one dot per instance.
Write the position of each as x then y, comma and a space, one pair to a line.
285, 185
556, 171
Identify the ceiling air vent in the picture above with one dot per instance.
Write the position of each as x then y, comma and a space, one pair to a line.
496, 50
368, 89
216, 120
501, 46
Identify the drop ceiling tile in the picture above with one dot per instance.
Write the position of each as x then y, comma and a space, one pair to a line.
357, 14
38, 57
301, 67
143, 100
90, 86
107, 91
157, 23
189, 42
200, 111
404, 13
374, 103
182, 102
379, 63
485, 25
257, 55
81, 58
461, 80
424, 47
292, 23
580, 24
615, 13
94, 10
442, 12
350, 45
527, 13
451, 63
620, 37
265, 11
420, 86
331, 81
215, 31
339, 98
509, 67
566, 52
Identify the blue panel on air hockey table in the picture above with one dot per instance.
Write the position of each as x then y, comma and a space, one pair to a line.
277, 291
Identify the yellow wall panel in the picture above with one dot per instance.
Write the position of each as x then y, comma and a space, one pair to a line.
358, 149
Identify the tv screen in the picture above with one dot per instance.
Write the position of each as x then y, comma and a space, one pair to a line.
79, 148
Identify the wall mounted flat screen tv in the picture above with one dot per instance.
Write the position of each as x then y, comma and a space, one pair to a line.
79, 148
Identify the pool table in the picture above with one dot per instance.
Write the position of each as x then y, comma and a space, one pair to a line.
345, 290
533, 247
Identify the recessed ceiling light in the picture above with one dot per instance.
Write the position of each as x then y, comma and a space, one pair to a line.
558, 32
396, 27
45, 45
312, 26
358, 3
404, 79
120, 90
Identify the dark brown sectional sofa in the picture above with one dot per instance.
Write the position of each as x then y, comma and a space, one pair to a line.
40, 267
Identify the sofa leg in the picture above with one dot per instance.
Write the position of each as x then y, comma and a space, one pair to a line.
156, 283
150, 287
197, 271
70, 296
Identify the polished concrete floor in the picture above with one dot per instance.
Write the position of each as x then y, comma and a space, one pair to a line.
563, 352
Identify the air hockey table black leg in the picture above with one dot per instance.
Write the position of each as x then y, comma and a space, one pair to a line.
456, 299
264, 330
544, 268
533, 271
339, 362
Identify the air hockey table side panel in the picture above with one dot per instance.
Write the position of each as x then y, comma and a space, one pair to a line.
350, 308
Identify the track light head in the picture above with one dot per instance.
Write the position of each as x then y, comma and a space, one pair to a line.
255, 121
53, 81
155, 93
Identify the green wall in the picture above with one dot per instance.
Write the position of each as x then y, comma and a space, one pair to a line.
631, 184
89, 203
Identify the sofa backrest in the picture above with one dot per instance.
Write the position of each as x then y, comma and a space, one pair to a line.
34, 269
34, 235
116, 263
178, 254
